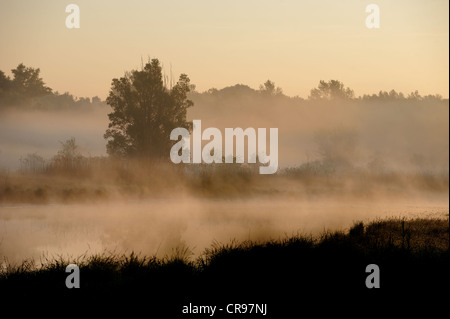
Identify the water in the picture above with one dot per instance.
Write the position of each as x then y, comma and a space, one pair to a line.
157, 227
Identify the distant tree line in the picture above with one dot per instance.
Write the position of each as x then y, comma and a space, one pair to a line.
27, 90
68, 160
145, 109
331, 90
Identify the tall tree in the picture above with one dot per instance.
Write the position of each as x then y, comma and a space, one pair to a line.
145, 112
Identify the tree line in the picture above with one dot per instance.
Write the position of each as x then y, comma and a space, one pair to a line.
145, 109
332, 90
27, 90
26, 87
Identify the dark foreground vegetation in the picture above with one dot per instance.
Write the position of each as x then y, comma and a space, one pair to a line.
294, 276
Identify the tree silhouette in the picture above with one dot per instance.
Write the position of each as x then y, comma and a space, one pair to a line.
145, 112
5, 81
269, 88
331, 90
394, 96
32, 163
25, 85
68, 157
27, 82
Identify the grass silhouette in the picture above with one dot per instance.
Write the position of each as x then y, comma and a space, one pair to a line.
292, 275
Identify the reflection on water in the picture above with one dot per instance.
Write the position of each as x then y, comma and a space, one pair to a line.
156, 227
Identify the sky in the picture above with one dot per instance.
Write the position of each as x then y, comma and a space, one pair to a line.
222, 43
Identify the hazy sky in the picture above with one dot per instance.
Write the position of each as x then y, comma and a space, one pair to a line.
220, 43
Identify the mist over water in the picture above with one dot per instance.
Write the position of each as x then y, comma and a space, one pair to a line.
158, 227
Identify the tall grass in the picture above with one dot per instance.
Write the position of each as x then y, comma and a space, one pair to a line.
106, 179
412, 236
413, 255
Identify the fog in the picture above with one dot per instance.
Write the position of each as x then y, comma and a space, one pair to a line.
158, 227
25, 132
400, 137
404, 135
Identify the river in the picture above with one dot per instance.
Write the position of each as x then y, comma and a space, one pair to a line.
158, 227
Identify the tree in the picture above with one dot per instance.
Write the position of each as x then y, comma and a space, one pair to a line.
68, 157
32, 163
69, 150
145, 112
415, 96
331, 90
25, 86
5, 87
5, 82
27, 82
385, 96
269, 88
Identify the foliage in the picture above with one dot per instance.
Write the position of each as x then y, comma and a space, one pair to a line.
26, 84
145, 112
69, 149
399, 96
32, 163
268, 88
327, 270
331, 90
27, 90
